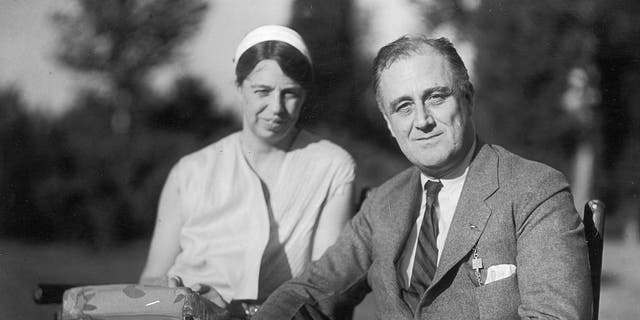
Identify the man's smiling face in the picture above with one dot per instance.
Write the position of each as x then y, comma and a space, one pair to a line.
425, 114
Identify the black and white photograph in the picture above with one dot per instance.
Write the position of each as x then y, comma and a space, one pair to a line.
319, 159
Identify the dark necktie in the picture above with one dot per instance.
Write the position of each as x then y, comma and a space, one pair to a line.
426, 259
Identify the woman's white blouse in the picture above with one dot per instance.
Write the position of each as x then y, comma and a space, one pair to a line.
234, 238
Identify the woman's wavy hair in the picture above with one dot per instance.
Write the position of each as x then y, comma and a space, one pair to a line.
292, 62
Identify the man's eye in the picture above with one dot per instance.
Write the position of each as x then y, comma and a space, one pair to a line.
436, 98
403, 107
261, 92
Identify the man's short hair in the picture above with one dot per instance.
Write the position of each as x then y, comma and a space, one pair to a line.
409, 45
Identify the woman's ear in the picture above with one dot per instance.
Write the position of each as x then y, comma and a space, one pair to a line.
305, 96
239, 96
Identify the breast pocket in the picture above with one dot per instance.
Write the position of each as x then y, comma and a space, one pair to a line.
499, 299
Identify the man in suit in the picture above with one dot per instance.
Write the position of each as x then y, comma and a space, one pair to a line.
470, 231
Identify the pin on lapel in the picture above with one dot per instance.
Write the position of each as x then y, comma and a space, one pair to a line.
476, 265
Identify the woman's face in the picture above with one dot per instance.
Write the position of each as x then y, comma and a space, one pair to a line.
272, 102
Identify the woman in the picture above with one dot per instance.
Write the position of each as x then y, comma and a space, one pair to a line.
241, 216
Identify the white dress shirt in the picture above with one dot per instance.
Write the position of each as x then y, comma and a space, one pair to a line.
445, 206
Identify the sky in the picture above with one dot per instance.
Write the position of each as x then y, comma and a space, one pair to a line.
27, 42
26, 52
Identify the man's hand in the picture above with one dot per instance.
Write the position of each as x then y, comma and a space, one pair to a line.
213, 299
210, 293
174, 282
204, 290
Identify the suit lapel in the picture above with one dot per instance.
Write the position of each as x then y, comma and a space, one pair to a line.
403, 206
471, 213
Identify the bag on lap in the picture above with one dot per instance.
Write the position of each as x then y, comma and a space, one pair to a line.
134, 301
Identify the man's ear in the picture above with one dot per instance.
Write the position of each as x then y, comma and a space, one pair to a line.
469, 99
468, 106
386, 120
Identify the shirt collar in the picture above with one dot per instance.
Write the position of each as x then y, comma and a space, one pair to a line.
457, 175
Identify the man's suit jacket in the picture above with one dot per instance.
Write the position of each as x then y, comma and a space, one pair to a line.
514, 211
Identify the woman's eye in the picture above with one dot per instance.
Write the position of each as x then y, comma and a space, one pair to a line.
291, 95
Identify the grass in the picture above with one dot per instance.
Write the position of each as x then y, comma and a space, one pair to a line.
620, 281
23, 266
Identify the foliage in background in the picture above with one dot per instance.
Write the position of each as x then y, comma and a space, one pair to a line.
525, 53
121, 41
324, 26
617, 28
76, 179
82, 177
23, 160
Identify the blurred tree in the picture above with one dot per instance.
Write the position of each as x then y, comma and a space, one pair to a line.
188, 109
526, 51
344, 100
121, 41
22, 160
325, 27
617, 28
104, 186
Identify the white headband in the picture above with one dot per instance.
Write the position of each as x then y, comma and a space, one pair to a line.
271, 33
